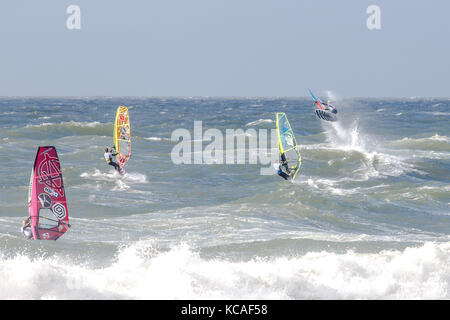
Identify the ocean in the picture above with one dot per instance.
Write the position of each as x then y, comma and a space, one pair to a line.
367, 216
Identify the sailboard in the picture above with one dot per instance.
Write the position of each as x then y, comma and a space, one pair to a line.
287, 145
323, 111
47, 205
122, 135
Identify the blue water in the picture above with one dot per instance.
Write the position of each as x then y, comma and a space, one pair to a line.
366, 218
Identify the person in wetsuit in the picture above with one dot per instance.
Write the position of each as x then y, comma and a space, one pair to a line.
26, 228
109, 160
328, 107
278, 166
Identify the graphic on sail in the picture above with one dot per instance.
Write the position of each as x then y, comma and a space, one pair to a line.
317, 101
287, 144
122, 135
46, 197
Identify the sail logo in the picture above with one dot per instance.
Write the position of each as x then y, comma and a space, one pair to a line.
46, 200
49, 173
59, 211
51, 192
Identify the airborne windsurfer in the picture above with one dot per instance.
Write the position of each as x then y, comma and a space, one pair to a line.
329, 107
26, 228
324, 111
109, 160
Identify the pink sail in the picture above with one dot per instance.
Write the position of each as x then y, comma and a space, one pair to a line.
47, 199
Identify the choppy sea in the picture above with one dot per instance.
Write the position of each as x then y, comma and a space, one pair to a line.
366, 218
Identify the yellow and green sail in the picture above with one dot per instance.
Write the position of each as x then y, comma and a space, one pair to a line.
287, 144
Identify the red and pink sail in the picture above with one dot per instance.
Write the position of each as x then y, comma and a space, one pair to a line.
46, 197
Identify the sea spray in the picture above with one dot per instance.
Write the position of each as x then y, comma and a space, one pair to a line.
141, 271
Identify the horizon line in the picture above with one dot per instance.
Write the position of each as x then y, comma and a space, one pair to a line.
217, 97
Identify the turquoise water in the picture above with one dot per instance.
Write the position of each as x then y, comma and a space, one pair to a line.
366, 218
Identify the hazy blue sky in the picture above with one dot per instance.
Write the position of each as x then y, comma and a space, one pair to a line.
225, 48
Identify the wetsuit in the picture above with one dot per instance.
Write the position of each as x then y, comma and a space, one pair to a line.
284, 162
280, 171
108, 158
329, 107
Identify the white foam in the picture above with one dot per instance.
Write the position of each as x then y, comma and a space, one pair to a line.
157, 139
67, 123
44, 124
346, 138
120, 186
376, 163
112, 174
99, 175
329, 186
83, 124
435, 137
257, 122
153, 138
135, 177
440, 138
142, 272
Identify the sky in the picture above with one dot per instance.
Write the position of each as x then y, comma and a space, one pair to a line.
225, 48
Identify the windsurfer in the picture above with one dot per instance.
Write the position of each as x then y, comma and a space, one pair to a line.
109, 160
278, 167
26, 228
329, 107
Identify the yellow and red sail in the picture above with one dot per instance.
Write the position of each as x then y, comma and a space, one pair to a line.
122, 135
